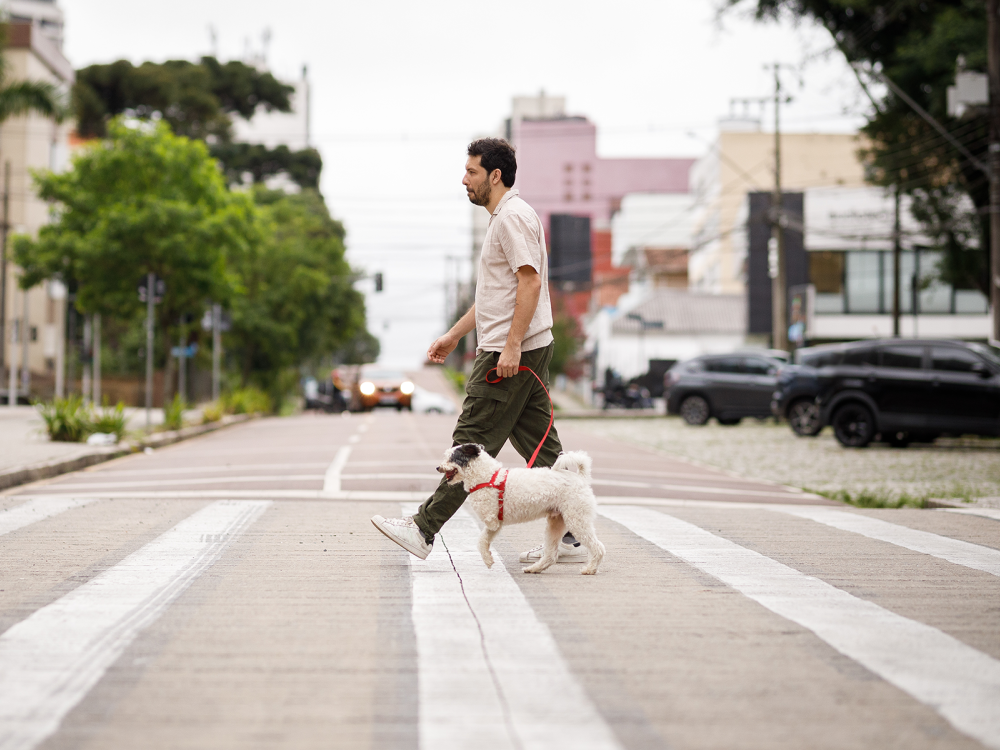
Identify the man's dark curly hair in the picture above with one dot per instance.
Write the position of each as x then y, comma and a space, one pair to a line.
496, 153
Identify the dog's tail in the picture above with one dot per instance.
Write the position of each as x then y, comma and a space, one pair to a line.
577, 462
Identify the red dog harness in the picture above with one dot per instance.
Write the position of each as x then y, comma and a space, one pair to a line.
499, 487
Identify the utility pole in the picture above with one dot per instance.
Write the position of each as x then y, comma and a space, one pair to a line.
4, 227
779, 282
12, 380
993, 71
25, 341
150, 309
896, 260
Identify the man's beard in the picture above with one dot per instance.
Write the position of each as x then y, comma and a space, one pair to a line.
481, 197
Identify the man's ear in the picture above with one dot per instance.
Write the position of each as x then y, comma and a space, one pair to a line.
496, 176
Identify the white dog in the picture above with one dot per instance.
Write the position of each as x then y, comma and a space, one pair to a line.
561, 494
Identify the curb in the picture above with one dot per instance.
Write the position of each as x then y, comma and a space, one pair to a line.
608, 414
49, 469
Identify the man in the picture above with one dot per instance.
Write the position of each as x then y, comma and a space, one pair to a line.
512, 317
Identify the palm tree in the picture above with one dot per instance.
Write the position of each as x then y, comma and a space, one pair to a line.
20, 98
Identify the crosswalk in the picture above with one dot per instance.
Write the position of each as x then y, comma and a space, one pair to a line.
491, 670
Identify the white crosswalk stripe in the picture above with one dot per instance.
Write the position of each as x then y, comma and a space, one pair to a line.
958, 681
490, 672
955, 551
51, 659
37, 509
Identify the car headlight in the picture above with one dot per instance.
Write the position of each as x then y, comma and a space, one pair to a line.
367, 388
406, 388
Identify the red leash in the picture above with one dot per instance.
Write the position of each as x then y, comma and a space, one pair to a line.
503, 482
552, 409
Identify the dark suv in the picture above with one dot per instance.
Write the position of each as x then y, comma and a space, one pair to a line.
728, 387
905, 390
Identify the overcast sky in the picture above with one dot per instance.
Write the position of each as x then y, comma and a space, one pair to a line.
399, 88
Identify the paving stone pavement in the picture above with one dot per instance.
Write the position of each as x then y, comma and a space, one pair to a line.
230, 592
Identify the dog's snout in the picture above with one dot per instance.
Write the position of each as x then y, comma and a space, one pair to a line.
441, 470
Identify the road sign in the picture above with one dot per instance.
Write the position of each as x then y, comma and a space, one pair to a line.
160, 287
184, 351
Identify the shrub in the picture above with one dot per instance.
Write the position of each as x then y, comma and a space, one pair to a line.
111, 421
247, 401
67, 420
212, 412
173, 414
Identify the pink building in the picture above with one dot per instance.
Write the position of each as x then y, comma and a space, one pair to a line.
559, 172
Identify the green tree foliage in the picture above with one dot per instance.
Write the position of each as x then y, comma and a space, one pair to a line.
141, 201
294, 300
917, 44
21, 97
197, 100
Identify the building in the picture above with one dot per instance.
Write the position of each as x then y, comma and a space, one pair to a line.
37, 318
741, 161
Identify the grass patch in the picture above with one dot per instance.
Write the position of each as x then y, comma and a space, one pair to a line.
873, 499
456, 378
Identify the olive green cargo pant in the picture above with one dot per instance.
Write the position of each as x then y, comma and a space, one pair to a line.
515, 408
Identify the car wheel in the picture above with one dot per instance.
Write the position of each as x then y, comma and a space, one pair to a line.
694, 410
731, 421
853, 425
803, 416
433, 410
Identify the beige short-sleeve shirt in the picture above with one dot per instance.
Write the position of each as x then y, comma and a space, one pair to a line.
514, 238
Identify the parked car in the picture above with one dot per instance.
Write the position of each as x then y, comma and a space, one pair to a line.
728, 387
323, 395
621, 395
904, 390
378, 387
798, 385
428, 402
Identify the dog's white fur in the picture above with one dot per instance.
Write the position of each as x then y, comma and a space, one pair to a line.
561, 494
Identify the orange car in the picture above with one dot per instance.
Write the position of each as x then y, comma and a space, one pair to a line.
376, 387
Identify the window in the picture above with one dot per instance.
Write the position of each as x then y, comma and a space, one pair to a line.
908, 357
907, 265
953, 359
826, 273
758, 366
723, 364
863, 356
863, 288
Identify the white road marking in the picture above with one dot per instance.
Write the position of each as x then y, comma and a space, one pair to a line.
959, 682
703, 489
953, 550
993, 513
331, 481
113, 473
362, 495
37, 509
156, 482
51, 660
490, 672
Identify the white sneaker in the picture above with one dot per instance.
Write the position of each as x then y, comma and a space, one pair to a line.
567, 554
405, 533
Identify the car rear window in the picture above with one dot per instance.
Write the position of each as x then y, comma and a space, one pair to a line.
953, 359
906, 357
723, 364
867, 355
759, 366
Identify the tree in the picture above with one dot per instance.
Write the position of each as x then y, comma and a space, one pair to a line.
197, 100
917, 44
141, 201
294, 301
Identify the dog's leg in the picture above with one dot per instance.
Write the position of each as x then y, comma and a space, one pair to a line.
554, 530
587, 536
485, 540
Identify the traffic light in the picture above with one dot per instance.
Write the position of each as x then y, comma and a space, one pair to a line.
378, 282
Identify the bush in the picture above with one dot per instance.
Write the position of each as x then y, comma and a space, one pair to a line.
111, 421
212, 412
456, 377
173, 414
247, 401
67, 420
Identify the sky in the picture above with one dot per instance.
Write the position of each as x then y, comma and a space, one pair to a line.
399, 88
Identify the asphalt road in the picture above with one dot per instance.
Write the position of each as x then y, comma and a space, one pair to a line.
230, 592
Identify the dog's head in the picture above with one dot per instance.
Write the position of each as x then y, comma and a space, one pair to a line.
457, 459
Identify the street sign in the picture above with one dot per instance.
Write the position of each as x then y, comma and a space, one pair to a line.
160, 288
225, 322
184, 351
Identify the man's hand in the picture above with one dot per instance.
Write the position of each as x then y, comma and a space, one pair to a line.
441, 348
509, 360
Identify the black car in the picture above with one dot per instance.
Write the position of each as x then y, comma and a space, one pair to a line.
728, 387
904, 390
799, 384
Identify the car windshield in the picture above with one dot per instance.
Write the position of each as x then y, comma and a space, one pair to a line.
384, 375
991, 353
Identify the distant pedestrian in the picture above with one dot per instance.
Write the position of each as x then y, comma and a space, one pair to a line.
512, 317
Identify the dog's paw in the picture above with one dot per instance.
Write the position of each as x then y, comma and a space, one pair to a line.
588, 572
531, 569
488, 561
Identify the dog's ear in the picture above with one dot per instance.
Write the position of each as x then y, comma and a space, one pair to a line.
464, 453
